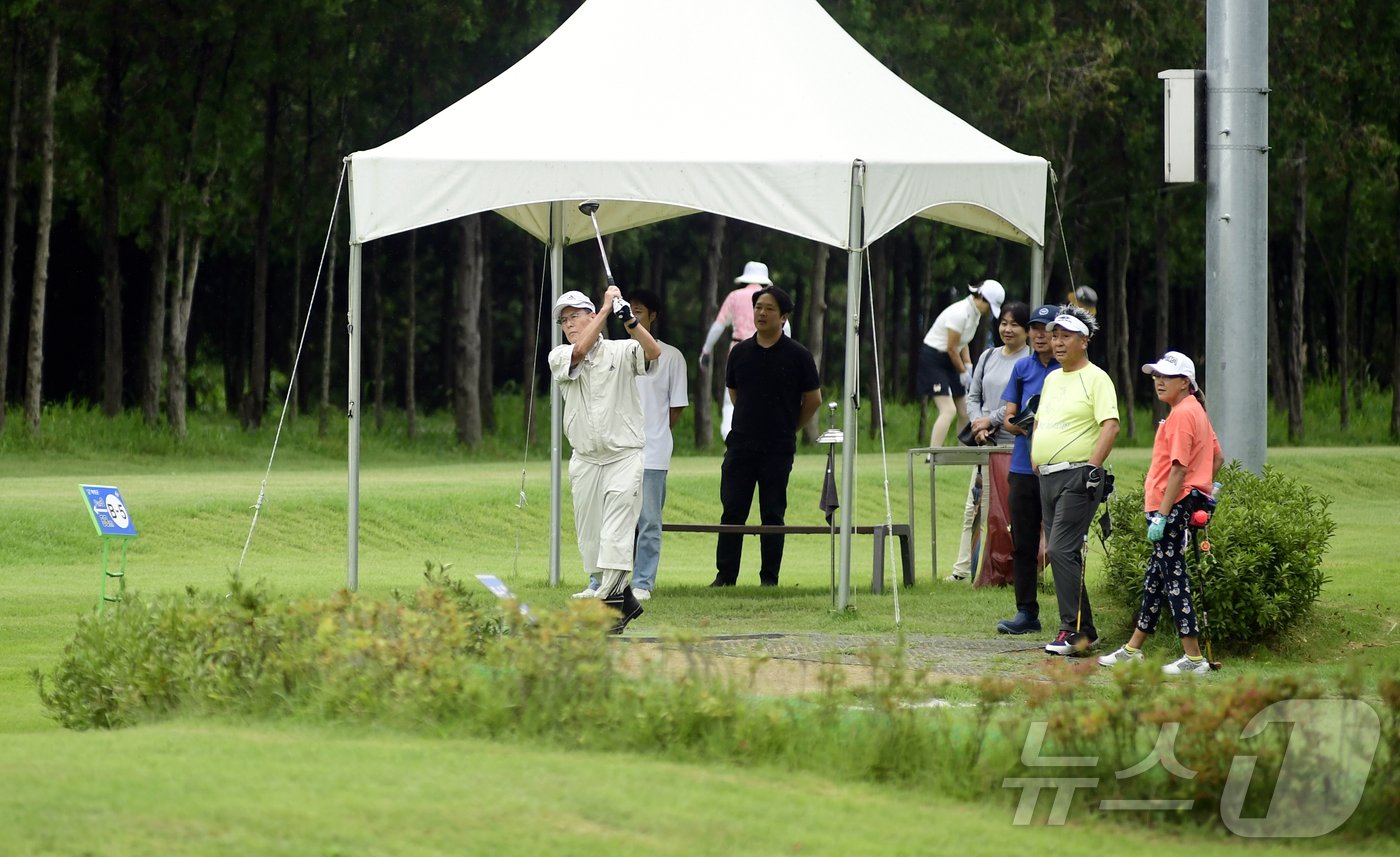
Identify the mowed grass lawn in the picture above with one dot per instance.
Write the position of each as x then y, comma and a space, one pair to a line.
196, 787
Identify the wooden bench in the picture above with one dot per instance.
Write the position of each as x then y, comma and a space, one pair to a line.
877, 574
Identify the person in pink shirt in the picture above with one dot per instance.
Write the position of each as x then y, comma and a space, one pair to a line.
736, 312
1186, 457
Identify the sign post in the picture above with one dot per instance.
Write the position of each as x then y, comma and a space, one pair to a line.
112, 521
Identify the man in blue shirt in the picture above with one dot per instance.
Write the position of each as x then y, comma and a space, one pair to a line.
1023, 489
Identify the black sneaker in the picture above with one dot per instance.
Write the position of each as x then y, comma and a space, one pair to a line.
719, 581
1070, 643
1023, 623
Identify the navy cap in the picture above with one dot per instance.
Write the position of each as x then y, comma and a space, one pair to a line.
1045, 314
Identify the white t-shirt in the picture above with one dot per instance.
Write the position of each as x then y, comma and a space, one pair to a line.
962, 317
662, 388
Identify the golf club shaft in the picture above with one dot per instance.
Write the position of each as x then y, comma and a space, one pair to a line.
599, 235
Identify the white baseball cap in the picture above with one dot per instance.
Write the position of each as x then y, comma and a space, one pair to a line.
1173, 364
992, 292
577, 300
754, 272
1072, 323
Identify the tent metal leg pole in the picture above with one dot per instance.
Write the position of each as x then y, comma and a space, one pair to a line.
352, 318
1037, 275
851, 391
556, 409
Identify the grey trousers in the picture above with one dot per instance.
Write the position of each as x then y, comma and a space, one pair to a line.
1067, 510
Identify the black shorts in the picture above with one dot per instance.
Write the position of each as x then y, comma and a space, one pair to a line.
937, 377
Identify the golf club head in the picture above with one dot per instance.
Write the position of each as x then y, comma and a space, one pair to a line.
589, 207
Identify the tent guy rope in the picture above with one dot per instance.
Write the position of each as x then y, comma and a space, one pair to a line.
292, 376
533, 383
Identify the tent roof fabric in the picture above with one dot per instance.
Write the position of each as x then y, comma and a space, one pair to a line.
753, 109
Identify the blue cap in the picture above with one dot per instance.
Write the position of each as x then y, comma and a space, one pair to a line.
1045, 314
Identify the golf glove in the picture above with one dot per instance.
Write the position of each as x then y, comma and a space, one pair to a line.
622, 310
1093, 481
965, 378
1156, 526
704, 360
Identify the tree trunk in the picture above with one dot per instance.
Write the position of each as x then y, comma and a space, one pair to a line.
816, 324
709, 307
1344, 307
181, 302
34, 385
1278, 363
1299, 269
487, 327
1164, 294
323, 410
466, 376
376, 284
256, 401
187, 254
897, 360
1395, 339
112, 108
1122, 351
410, 343
155, 319
294, 333
7, 264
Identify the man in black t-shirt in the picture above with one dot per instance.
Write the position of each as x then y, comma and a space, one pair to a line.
773, 384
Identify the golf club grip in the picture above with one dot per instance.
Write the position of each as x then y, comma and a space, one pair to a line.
610, 281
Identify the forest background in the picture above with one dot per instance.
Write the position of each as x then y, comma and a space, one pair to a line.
171, 167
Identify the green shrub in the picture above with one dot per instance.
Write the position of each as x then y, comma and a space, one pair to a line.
1263, 571
437, 660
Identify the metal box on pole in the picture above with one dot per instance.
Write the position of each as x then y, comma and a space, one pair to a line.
1183, 124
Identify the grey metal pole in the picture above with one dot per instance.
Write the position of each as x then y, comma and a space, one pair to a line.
556, 409
851, 393
1037, 275
352, 399
1237, 221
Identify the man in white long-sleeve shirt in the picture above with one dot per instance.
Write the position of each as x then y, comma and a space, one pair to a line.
603, 421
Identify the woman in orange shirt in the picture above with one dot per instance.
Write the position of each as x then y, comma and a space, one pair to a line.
1185, 456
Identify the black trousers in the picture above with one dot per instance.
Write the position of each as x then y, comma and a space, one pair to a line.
743, 471
1023, 498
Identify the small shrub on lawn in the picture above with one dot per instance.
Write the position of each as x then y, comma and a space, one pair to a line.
1263, 571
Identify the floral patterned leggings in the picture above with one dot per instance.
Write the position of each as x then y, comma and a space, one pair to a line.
1166, 579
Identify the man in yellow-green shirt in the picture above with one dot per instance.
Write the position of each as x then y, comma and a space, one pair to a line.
1075, 427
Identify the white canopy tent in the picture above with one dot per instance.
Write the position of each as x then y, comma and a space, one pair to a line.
761, 110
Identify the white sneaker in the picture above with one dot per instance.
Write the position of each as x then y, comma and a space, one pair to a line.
1121, 656
1185, 666
956, 578
587, 593
642, 594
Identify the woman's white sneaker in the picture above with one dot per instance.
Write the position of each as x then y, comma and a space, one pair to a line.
1186, 666
1121, 656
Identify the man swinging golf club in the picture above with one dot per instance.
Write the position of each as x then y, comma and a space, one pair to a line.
603, 421
1075, 427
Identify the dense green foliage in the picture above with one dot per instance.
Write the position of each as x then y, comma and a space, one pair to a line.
1263, 570
226, 123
